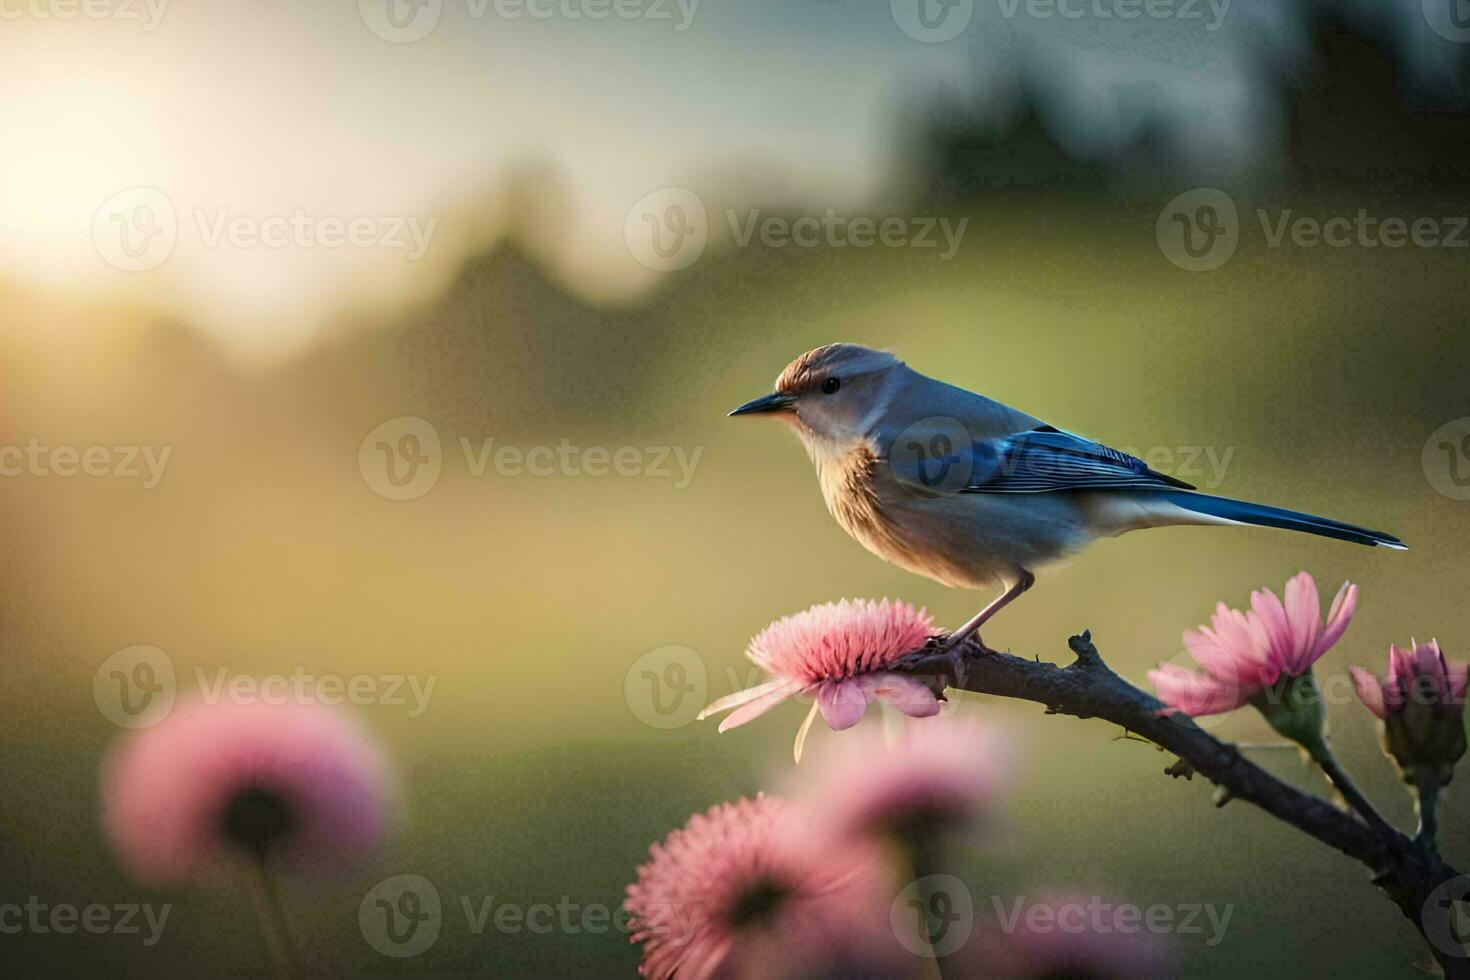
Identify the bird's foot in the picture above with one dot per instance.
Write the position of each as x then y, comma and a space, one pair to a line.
953, 649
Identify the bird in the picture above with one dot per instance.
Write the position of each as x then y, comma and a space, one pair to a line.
972, 493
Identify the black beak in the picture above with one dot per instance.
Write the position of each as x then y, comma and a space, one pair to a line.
777, 402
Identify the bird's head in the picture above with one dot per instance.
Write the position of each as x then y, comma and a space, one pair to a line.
832, 394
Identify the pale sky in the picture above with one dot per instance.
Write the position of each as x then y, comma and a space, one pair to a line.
278, 159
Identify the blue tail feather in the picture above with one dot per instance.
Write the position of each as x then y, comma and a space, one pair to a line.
1264, 516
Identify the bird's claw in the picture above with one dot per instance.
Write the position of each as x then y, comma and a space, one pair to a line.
954, 651
956, 654
946, 646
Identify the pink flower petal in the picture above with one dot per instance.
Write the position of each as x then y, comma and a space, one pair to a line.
744, 697
842, 703
908, 694
1195, 693
1268, 615
1344, 604
1304, 616
1370, 691
840, 639
737, 699
1226, 664
1234, 632
1459, 676
753, 709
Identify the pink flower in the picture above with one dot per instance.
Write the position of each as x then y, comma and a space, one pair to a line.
837, 653
1241, 654
732, 889
940, 775
1422, 706
1420, 673
300, 784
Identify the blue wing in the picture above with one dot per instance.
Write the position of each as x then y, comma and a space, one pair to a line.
1046, 459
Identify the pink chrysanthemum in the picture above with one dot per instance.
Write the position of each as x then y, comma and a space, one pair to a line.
731, 889
1240, 654
940, 775
838, 653
298, 784
1419, 673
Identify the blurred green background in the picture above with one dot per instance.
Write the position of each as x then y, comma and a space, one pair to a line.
1316, 376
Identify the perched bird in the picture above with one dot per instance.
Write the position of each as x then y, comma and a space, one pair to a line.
976, 494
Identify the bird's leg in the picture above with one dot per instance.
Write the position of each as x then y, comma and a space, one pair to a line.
956, 640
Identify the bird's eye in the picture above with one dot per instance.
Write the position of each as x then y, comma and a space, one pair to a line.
830, 386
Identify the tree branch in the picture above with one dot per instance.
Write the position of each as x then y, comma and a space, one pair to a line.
1411, 874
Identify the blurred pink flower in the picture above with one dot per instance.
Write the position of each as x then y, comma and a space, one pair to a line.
1240, 654
300, 784
1443, 683
1071, 936
837, 653
939, 775
731, 893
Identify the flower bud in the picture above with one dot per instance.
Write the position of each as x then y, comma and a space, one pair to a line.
1422, 706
